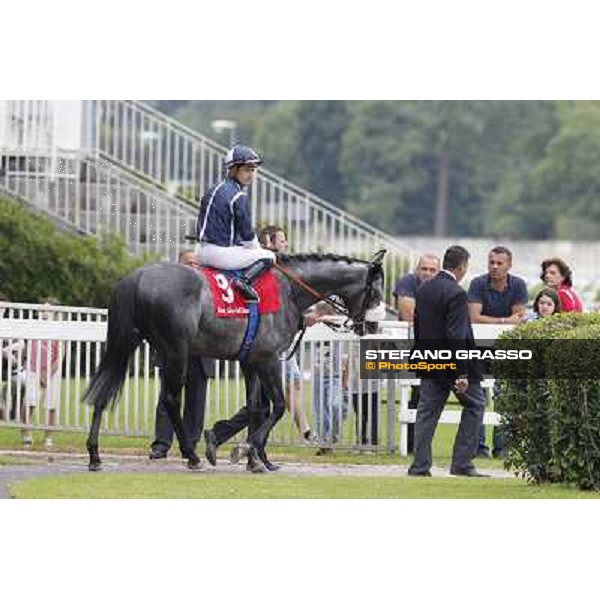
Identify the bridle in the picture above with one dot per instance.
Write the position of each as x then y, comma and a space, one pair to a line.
359, 321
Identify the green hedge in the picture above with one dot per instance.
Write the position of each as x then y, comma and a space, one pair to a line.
37, 260
575, 409
549, 423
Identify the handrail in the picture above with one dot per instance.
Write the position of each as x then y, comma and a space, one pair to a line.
311, 197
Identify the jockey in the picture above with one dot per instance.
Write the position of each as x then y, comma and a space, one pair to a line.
224, 228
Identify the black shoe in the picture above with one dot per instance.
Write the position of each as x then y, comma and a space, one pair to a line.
482, 453
211, 447
419, 473
156, 454
472, 472
499, 453
323, 451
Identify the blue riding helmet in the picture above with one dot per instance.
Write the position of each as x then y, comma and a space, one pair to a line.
242, 155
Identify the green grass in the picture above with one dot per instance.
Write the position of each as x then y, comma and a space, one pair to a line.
202, 485
17, 460
214, 485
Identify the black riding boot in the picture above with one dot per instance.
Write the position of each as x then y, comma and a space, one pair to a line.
253, 272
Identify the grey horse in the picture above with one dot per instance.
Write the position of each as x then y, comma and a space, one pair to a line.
171, 307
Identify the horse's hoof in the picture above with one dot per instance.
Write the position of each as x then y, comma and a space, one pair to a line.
261, 455
195, 464
95, 466
211, 447
256, 468
255, 465
238, 452
271, 467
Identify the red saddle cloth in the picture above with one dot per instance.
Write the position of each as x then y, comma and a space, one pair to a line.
230, 303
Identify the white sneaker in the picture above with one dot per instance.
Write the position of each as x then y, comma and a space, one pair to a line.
48, 443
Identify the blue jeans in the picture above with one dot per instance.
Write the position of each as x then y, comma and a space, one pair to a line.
329, 409
498, 437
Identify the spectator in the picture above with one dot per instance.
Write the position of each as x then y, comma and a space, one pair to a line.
197, 373
546, 303
43, 365
497, 297
557, 275
329, 409
273, 237
406, 287
12, 379
404, 293
364, 395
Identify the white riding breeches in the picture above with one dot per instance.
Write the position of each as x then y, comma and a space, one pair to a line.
231, 257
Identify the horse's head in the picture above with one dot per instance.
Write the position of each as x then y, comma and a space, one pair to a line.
368, 306
358, 283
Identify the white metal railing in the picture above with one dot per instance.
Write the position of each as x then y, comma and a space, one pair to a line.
366, 412
81, 335
95, 197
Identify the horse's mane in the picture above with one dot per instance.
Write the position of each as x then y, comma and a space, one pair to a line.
287, 258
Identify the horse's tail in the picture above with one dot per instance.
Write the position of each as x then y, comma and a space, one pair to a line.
121, 342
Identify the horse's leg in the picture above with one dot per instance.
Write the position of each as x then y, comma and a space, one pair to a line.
255, 414
271, 380
92, 441
172, 381
262, 410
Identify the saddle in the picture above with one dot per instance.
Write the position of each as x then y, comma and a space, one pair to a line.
228, 301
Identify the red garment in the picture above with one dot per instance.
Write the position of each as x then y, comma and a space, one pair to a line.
569, 300
229, 302
32, 362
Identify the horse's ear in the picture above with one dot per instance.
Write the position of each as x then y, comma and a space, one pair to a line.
378, 256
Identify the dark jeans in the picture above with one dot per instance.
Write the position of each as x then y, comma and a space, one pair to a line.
225, 429
193, 411
434, 394
412, 403
367, 413
497, 439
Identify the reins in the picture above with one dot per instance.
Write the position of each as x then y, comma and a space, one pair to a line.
337, 306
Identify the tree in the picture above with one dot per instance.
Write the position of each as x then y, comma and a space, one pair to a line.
36, 260
455, 129
321, 125
418, 156
516, 135
566, 181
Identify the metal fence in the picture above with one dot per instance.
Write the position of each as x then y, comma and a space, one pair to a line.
330, 398
79, 336
94, 197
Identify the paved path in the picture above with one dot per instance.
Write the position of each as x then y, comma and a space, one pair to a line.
40, 464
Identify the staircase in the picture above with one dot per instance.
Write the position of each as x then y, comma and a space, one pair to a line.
128, 168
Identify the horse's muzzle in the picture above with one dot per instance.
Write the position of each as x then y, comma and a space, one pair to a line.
376, 313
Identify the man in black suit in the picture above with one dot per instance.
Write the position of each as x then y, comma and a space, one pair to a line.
442, 319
